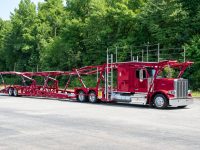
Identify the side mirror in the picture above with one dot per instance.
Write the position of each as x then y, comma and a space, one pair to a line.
141, 75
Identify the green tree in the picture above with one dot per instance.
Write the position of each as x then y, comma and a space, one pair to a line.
192, 6
162, 21
193, 54
51, 16
62, 37
4, 30
20, 45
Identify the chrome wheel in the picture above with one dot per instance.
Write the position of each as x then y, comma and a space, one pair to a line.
92, 97
10, 91
160, 101
81, 96
15, 92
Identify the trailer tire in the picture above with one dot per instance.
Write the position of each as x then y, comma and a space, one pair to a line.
81, 97
92, 97
15, 92
160, 101
10, 92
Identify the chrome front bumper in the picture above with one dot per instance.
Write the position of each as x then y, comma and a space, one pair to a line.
180, 102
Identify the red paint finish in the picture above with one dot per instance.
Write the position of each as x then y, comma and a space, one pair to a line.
123, 78
128, 80
164, 84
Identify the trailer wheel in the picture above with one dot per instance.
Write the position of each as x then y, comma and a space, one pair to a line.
10, 92
160, 101
15, 92
92, 97
81, 97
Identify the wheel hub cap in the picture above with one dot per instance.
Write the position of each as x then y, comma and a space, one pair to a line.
159, 101
81, 97
92, 97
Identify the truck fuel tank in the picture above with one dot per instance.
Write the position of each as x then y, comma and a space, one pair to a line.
137, 98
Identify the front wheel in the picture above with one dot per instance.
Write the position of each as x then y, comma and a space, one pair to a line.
81, 97
160, 101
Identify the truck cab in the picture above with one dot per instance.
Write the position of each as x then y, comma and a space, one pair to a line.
150, 83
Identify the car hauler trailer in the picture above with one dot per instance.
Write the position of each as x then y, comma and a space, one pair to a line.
123, 82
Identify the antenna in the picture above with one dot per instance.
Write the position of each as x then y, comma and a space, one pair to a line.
14, 67
184, 53
116, 53
158, 52
147, 51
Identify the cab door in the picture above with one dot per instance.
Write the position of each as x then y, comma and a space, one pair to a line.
139, 80
123, 79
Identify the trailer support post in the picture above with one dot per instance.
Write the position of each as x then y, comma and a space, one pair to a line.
80, 79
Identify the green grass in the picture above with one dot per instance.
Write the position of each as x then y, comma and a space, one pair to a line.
196, 93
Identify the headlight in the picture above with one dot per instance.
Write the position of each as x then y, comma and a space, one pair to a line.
172, 92
189, 92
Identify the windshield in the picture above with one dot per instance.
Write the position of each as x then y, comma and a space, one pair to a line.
169, 72
151, 72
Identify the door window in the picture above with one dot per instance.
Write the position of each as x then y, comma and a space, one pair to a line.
143, 73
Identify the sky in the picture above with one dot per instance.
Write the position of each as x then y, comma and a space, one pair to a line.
7, 6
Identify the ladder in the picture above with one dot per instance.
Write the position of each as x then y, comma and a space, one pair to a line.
109, 76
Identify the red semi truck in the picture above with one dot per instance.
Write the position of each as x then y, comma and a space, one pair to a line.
142, 83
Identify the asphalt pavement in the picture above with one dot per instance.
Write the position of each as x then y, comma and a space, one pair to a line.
47, 124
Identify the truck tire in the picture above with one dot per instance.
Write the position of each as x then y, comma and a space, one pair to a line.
92, 97
10, 92
15, 92
160, 101
81, 97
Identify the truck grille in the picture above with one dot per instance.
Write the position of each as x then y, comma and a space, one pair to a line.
181, 87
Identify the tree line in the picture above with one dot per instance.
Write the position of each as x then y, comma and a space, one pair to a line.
61, 35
